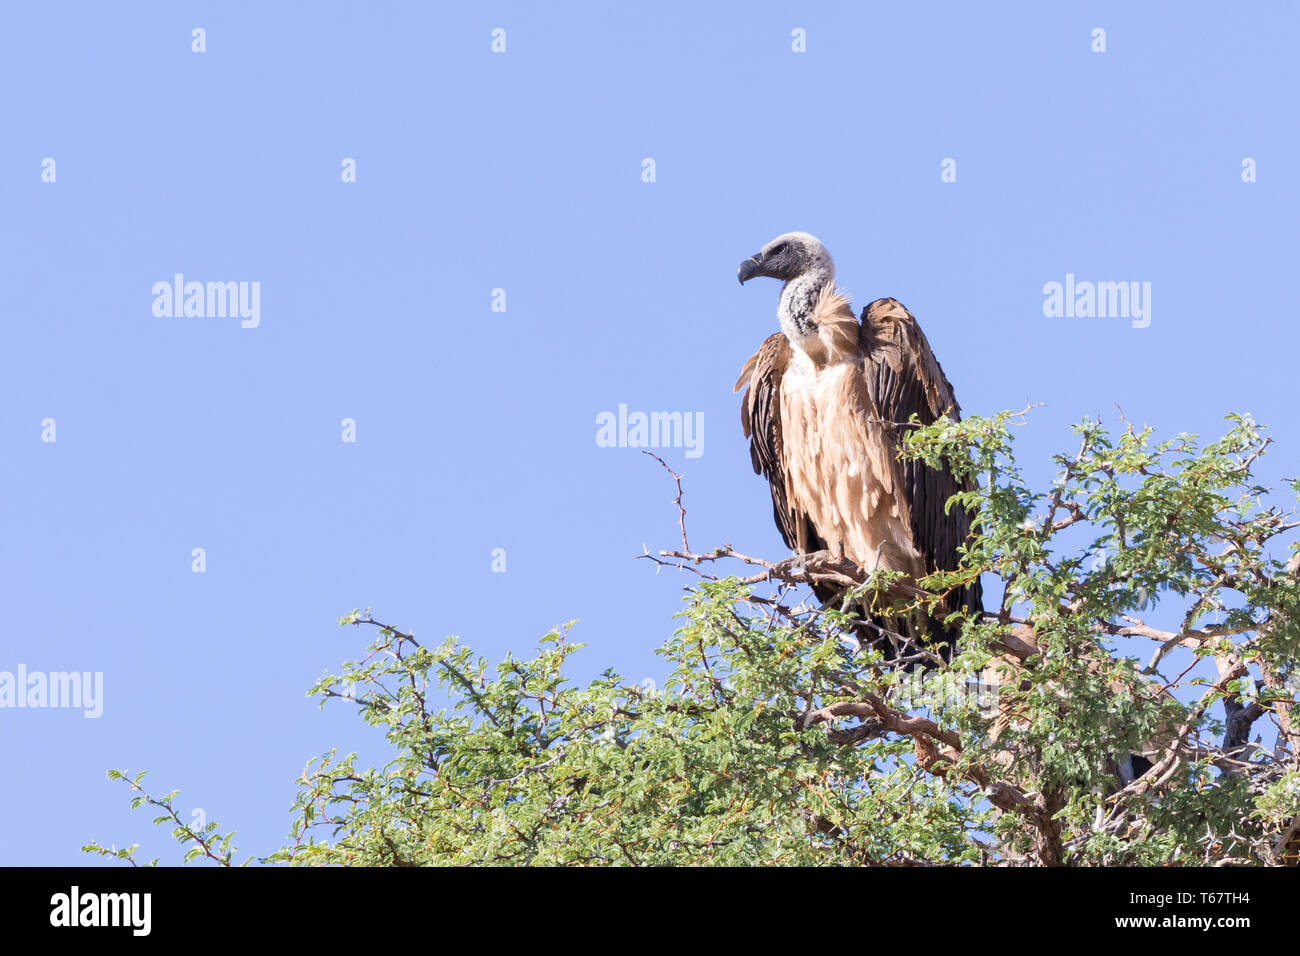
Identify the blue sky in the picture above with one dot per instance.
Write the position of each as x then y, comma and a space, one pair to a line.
476, 429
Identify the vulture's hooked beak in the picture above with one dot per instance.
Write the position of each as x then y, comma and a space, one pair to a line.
753, 266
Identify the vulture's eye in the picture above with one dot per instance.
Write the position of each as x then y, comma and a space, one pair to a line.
779, 249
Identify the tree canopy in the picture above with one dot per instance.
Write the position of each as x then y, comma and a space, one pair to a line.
1067, 730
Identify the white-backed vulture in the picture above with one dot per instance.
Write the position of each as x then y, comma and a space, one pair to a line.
827, 401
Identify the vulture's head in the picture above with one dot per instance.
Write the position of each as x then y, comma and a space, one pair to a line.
789, 257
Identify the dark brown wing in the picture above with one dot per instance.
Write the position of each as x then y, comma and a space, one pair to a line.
760, 417
905, 379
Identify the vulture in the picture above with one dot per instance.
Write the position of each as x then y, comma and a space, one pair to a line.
827, 402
